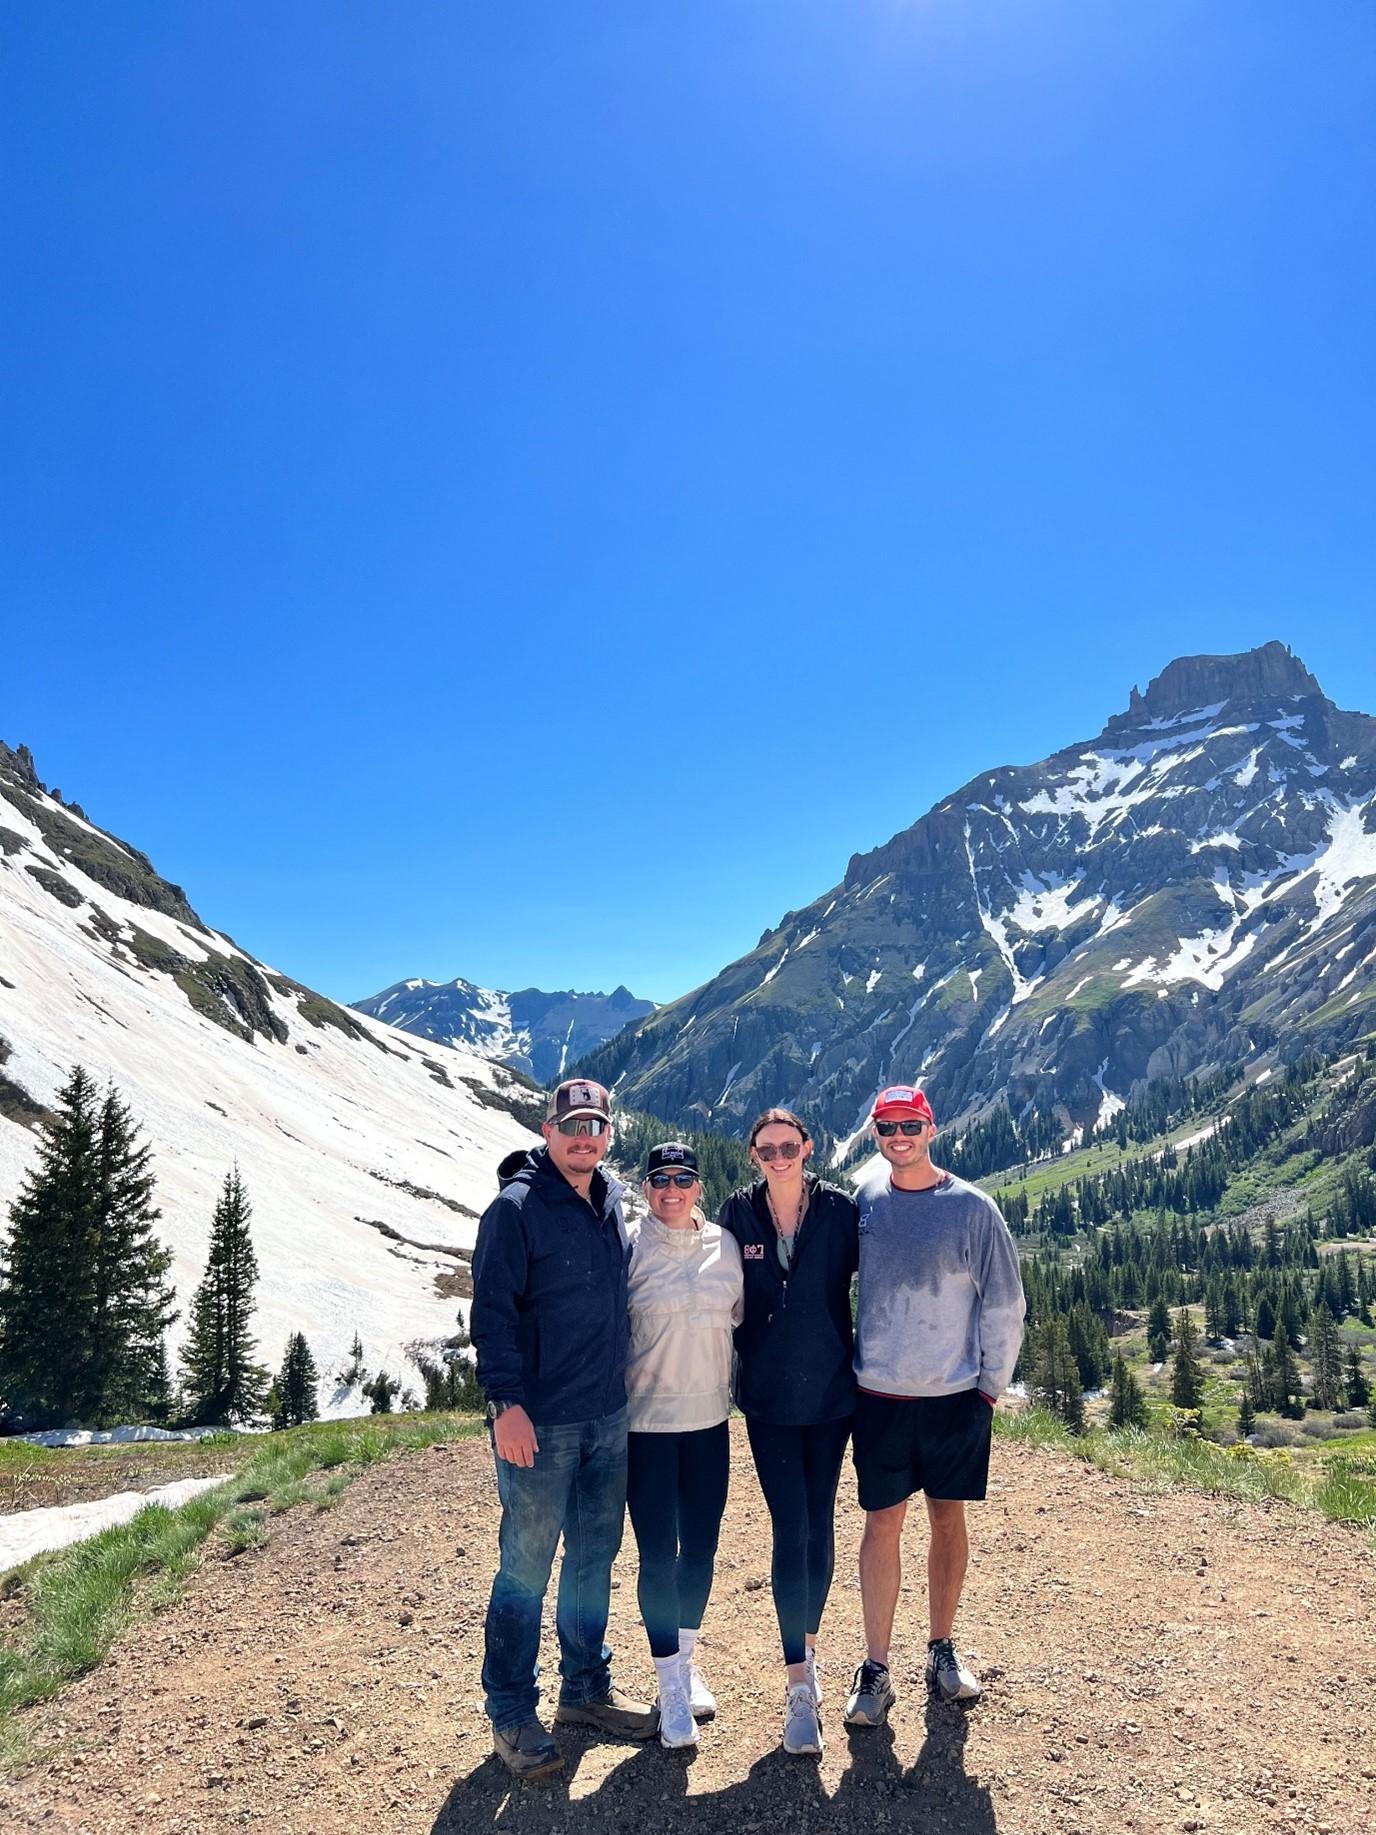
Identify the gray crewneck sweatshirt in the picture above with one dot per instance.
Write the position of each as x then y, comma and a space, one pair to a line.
941, 1303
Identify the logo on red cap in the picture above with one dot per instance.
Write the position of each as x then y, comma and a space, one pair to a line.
902, 1096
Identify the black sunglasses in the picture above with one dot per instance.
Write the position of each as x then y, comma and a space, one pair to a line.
660, 1180
887, 1129
583, 1124
785, 1150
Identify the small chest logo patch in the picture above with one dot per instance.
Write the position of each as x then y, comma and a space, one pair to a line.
753, 1252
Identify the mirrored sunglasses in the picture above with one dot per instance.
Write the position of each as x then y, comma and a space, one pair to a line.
785, 1150
660, 1180
887, 1129
583, 1124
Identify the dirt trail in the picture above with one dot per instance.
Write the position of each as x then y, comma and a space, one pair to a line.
1151, 1663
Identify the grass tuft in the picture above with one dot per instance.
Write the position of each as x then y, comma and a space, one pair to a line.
1161, 1461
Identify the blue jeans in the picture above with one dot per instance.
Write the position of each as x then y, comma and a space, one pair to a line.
577, 1488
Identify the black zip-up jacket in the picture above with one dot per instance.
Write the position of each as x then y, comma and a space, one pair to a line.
794, 1347
548, 1319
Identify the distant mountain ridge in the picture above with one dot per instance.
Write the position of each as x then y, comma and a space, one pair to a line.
1194, 886
531, 1031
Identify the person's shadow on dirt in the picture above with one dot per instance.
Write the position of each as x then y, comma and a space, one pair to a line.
646, 1794
934, 1790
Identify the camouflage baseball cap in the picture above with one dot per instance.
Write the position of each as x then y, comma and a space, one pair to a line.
578, 1097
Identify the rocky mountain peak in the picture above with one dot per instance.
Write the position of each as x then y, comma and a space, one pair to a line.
1269, 672
17, 763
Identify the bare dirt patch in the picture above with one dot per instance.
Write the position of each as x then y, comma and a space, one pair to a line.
1151, 1663
33, 1478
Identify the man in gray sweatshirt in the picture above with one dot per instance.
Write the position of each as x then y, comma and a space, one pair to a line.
937, 1333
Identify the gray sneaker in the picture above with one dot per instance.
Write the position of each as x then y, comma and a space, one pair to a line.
871, 1696
527, 1751
614, 1714
948, 1675
802, 1725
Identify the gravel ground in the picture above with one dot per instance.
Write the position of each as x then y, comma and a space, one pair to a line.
1151, 1663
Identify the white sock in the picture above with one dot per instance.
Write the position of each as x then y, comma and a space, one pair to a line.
670, 1673
687, 1641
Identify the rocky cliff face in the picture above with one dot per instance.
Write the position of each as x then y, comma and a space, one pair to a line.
532, 1031
1193, 886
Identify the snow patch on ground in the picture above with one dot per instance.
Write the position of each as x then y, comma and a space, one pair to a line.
1111, 1104
26, 1533
777, 966
116, 1436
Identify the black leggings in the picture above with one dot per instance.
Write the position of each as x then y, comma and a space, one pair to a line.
799, 1469
676, 1492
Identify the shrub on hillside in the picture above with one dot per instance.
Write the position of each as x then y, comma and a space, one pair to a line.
1275, 1433
1316, 1429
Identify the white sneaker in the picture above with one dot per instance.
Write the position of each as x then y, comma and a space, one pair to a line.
802, 1728
812, 1676
676, 1724
700, 1698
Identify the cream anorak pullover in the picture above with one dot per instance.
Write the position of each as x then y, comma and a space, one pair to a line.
685, 1297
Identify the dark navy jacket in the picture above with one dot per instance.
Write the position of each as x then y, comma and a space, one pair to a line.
548, 1319
794, 1347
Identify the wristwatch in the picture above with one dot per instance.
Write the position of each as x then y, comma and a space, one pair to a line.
496, 1408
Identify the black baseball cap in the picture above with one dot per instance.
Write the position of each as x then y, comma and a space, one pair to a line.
671, 1156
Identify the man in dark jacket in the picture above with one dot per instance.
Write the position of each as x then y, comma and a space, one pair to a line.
549, 1324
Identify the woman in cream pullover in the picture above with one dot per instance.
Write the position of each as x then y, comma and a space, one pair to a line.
685, 1296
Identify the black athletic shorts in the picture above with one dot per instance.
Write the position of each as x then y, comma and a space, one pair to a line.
933, 1443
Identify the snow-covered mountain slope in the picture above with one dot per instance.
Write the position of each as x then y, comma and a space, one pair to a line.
1194, 886
367, 1155
532, 1031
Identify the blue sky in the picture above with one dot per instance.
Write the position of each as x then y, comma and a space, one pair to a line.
527, 491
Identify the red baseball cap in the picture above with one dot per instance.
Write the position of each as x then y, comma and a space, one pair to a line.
901, 1096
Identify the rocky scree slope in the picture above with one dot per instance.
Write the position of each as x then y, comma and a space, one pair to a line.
1194, 886
531, 1031
368, 1157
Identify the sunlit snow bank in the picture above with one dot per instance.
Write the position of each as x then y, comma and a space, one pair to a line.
27, 1533
118, 1436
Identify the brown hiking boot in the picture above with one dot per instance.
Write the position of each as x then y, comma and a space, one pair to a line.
527, 1751
613, 1713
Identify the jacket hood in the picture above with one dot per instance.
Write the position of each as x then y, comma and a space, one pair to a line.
512, 1164
527, 1164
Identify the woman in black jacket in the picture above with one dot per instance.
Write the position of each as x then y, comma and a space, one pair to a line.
799, 1246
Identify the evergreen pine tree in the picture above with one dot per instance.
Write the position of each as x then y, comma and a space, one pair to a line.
296, 1384
452, 1383
1158, 1331
48, 1275
1266, 1318
1055, 1383
133, 1301
1187, 1377
222, 1381
1358, 1388
1246, 1416
382, 1392
1325, 1359
1287, 1391
1127, 1408
162, 1400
